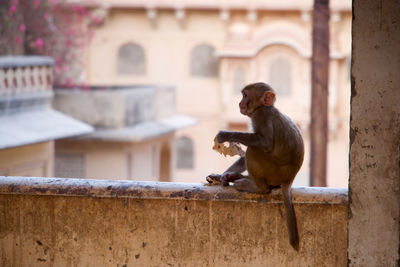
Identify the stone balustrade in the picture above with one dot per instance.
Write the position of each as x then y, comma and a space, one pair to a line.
19, 75
26, 91
26, 82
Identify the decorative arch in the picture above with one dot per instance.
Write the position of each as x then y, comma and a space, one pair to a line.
203, 61
274, 33
131, 59
283, 33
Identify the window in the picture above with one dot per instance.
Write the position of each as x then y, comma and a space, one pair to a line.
280, 76
131, 60
69, 165
203, 62
184, 153
239, 80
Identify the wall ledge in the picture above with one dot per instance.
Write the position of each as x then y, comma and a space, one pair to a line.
10, 185
25, 61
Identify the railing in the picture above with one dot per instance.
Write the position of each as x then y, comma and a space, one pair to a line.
63, 222
25, 82
25, 74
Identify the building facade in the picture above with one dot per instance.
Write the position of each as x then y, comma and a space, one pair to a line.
209, 50
133, 138
28, 124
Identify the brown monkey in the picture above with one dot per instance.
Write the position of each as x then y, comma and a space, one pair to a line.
274, 155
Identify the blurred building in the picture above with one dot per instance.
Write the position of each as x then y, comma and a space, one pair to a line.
28, 126
133, 138
209, 50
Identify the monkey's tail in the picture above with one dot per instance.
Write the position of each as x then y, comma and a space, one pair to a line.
290, 216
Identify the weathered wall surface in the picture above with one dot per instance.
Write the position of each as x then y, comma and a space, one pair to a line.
375, 134
71, 222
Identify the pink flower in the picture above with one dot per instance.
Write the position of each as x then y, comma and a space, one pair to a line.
68, 43
36, 3
79, 10
57, 69
71, 31
46, 16
18, 40
39, 42
97, 20
12, 10
22, 27
85, 87
70, 83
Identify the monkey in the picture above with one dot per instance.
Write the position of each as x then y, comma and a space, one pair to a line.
274, 155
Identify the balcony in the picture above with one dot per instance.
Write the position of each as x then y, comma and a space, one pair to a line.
26, 91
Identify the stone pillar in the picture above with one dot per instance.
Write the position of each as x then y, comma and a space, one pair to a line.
374, 197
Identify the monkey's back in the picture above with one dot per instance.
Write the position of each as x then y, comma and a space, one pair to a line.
284, 161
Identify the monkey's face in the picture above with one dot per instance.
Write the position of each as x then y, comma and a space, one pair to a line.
249, 103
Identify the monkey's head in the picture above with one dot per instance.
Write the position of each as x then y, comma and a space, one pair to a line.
254, 96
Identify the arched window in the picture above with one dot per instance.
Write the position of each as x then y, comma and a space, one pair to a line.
280, 76
203, 61
239, 80
131, 60
184, 153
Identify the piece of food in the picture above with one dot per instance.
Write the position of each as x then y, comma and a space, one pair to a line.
231, 150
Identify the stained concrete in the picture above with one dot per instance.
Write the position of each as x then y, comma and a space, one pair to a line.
73, 222
374, 194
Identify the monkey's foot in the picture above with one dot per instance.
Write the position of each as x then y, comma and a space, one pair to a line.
248, 185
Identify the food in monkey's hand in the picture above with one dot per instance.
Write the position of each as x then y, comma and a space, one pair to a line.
231, 150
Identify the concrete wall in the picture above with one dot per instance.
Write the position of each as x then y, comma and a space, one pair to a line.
71, 222
375, 135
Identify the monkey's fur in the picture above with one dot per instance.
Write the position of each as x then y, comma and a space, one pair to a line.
275, 151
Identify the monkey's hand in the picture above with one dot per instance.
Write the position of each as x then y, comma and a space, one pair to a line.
214, 179
231, 150
222, 136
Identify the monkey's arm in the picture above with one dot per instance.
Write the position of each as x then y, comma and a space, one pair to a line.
238, 166
248, 139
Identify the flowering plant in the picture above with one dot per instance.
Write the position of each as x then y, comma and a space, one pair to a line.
53, 28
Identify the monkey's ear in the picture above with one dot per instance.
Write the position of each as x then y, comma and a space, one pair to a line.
268, 98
